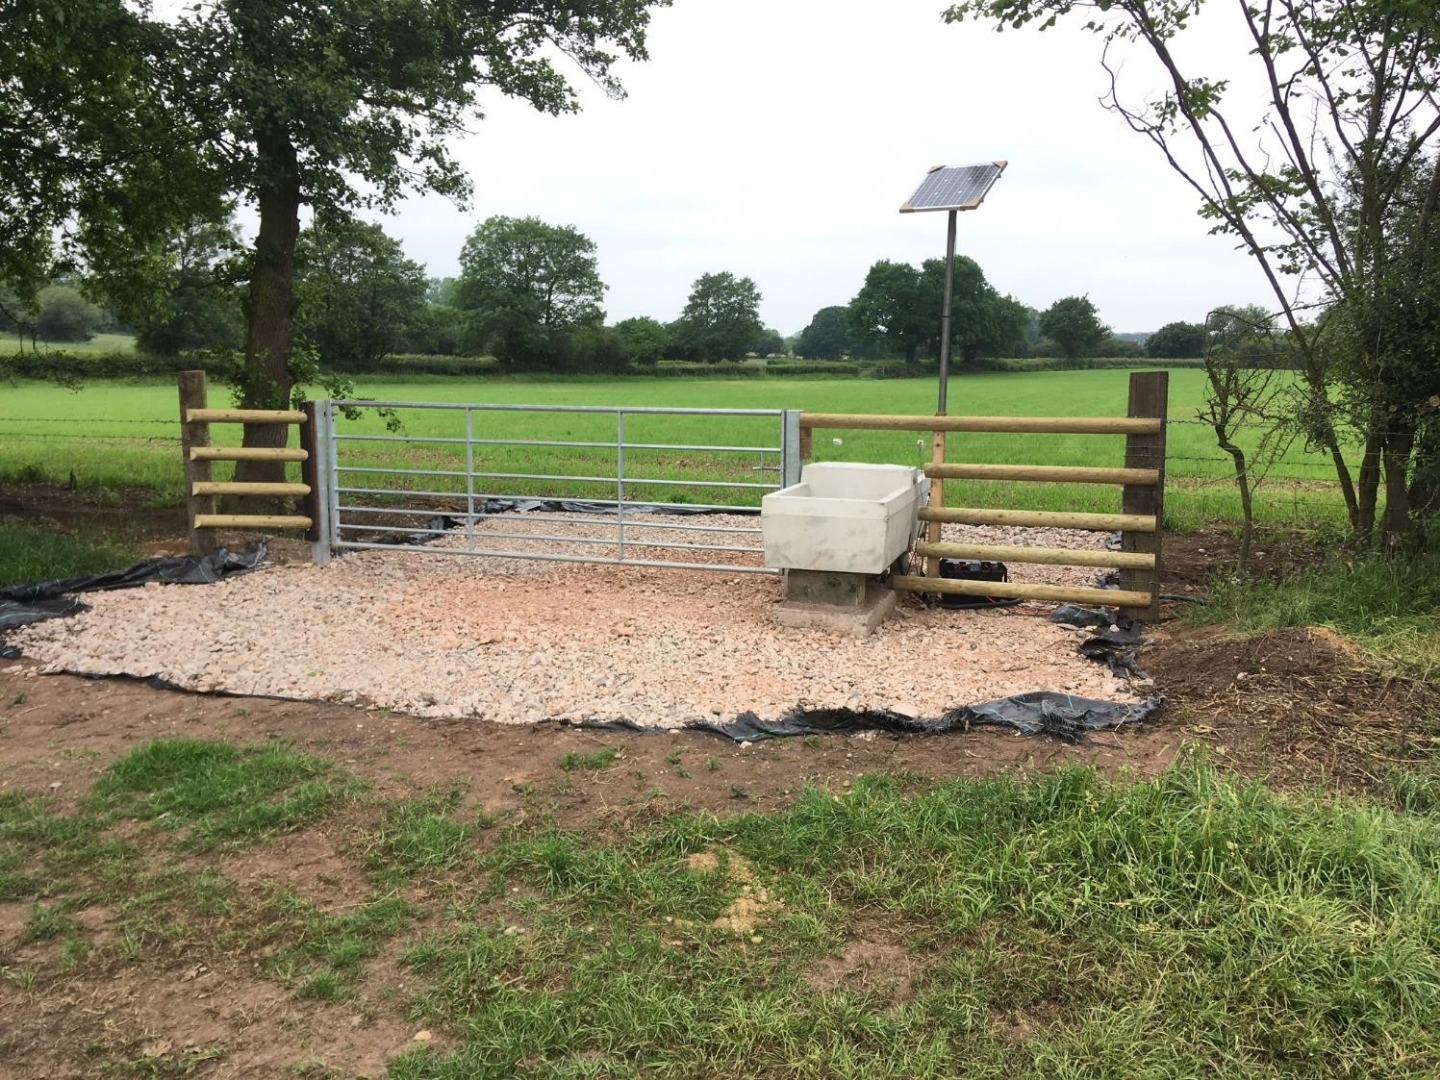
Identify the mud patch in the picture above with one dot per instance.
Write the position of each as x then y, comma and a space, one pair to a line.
865, 966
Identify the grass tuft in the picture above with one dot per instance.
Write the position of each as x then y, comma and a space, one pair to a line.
601, 759
1390, 606
419, 836
29, 554
220, 792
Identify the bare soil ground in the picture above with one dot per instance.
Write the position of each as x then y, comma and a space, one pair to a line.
1294, 707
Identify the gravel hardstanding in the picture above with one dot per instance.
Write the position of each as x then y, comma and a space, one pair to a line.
517, 640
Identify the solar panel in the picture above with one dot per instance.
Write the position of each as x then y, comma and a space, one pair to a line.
956, 187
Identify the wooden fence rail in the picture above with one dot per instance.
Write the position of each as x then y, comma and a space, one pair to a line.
1141, 480
201, 489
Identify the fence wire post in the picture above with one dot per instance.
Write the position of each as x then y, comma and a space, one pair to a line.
193, 395
1149, 397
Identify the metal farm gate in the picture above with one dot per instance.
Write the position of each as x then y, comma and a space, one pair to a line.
566, 483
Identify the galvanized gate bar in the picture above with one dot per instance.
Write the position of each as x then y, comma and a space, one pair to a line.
552, 442
357, 510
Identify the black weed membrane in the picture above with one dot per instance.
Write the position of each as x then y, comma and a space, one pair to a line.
437, 526
1063, 716
1116, 639
37, 601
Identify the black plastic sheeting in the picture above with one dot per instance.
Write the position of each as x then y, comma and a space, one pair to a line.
1061, 716
440, 524
1116, 641
37, 601
166, 569
15, 613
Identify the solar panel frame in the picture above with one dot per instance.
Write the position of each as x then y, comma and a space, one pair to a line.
954, 187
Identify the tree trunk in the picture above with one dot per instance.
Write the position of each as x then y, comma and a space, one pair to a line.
1399, 526
266, 381
1369, 478
1315, 375
1247, 497
1425, 483
1342, 473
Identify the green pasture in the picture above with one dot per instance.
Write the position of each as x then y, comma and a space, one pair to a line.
100, 343
1055, 926
125, 434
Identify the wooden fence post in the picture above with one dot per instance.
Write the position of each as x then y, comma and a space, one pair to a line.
937, 500
193, 396
1149, 397
310, 504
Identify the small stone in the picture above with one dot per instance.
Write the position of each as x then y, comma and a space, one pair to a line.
423, 1036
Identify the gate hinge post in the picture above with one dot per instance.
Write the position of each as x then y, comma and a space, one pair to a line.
790, 456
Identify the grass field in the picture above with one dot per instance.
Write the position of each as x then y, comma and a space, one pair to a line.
117, 434
100, 343
1061, 926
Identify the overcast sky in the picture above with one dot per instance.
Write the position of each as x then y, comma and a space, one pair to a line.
778, 138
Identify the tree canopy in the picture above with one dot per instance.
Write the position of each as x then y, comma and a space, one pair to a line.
184, 292
828, 335
891, 311
647, 339
283, 104
1074, 325
65, 315
1312, 142
982, 322
98, 154
525, 287
898, 311
1176, 341
721, 320
359, 296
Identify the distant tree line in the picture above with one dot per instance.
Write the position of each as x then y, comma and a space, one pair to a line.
530, 294
896, 315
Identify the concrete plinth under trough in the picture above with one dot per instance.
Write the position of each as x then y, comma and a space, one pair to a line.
837, 602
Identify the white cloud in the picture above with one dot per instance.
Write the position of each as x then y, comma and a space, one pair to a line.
777, 139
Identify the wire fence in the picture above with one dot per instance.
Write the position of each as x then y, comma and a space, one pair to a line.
1299, 485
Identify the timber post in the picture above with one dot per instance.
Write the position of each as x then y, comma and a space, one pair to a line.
937, 495
193, 395
1149, 398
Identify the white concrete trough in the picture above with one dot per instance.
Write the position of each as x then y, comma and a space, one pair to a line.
843, 517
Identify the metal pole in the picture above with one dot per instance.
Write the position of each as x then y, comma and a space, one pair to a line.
790, 455
945, 314
470, 479
316, 436
333, 467
620, 484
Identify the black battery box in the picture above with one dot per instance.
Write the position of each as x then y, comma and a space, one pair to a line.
973, 570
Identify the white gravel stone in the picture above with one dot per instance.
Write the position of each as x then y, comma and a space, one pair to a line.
516, 639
